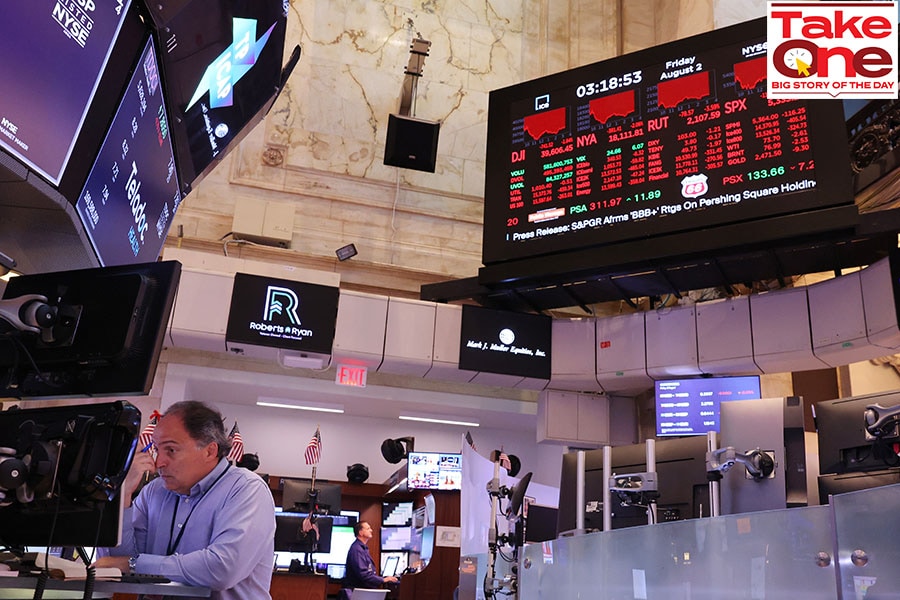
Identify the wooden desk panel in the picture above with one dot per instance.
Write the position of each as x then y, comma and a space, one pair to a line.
298, 586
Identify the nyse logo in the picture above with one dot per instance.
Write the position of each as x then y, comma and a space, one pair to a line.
282, 302
832, 50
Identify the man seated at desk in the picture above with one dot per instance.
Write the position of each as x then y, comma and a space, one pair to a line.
202, 522
361, 571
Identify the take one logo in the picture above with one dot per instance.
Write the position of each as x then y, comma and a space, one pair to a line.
281, 302
832, 50
224, 72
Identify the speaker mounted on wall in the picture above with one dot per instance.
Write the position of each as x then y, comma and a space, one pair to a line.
411, 143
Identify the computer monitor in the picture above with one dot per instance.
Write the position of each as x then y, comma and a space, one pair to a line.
299, 495
540, 524
843, 444
397, 514
681, 479
105, 336
842, 483
336, 571
342, 537
292, 536
389, 569
401, 557
72, 461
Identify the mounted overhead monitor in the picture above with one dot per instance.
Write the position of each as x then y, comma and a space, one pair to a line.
222, 66
281, 313
673, 139
132, 191
433, 471
505, 342
691, 406
53, 58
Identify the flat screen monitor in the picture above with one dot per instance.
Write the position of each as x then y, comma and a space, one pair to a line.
335, 572
398, 539
668, 140
505, 342
89, 447
402, 560
107, 337
389, 568
433, 471
222, 67
842, 483
342, 537
397, 514
54, 55
681, 479
426, 550
691, 406
281, 313
299, 495
132, 191
540, 523
291, 535
843, 444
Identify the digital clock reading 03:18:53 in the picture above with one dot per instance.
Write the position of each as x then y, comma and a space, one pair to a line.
610, 83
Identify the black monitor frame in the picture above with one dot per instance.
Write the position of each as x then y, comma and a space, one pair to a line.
299, 495
842, 483
843, 445
108, 335
90, 447
290, 537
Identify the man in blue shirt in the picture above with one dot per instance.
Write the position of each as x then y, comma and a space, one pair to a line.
361, 571
202, 522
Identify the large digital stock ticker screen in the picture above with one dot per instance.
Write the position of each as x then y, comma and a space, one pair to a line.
132, 192
46, 94
669, 139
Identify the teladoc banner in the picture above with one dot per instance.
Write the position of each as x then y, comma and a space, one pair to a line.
832, 50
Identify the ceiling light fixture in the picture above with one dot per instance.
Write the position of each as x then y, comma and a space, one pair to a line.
328, 408
438, 420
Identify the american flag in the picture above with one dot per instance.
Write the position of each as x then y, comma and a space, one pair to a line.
504, 460
237, 444
470, 441
146, 437
313, 449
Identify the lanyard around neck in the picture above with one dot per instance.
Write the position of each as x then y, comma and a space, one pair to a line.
170, 547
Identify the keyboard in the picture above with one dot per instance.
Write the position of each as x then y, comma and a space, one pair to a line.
143, 578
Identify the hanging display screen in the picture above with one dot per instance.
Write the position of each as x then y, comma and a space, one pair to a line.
132, 191
47, 93
675, 138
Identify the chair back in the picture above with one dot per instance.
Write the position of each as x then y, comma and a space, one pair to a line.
366, 594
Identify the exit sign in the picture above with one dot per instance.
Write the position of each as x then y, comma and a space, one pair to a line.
351, 375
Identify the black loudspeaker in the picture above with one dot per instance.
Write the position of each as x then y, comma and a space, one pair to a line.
411, 143
357, 473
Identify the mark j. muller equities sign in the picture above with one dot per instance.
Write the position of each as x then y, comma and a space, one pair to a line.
832, 50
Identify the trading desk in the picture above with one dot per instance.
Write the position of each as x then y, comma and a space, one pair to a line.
23, 587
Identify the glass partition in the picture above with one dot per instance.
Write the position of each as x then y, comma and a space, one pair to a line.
868, 547
760, 555
766, 555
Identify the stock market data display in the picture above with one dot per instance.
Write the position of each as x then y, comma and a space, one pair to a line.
670, 139
132, 191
